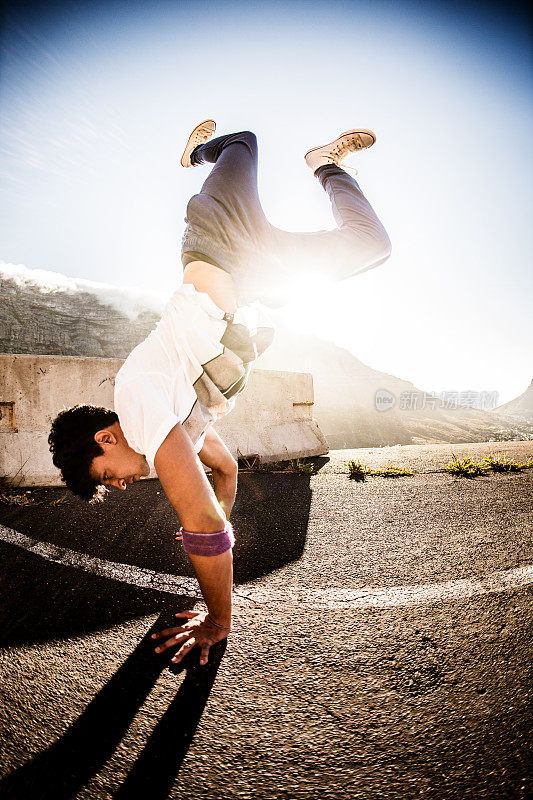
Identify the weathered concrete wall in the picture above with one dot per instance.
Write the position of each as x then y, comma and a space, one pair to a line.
272, 418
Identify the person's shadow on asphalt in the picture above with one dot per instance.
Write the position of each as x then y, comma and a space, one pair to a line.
271, 515
60, 771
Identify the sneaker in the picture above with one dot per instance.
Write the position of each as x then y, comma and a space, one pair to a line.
201, 134
336, 151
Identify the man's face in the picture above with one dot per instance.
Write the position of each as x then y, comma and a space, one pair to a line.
119, 464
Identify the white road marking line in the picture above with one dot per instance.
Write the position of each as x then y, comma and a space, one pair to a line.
126, 573
367, 597
393, 596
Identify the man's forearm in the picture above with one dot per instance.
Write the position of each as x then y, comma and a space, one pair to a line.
215, 573
215, 576
225, 486
193, 498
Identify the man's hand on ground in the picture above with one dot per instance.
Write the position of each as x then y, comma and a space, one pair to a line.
199, 630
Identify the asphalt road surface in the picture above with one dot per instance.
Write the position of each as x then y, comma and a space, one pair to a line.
382, 646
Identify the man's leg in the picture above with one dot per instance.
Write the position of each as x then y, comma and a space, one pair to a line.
365, 242
265, 261
225, 219
228, 204
358, 244
235, 159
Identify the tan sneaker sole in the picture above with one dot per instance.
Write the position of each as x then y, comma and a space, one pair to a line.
331, 153
200, 134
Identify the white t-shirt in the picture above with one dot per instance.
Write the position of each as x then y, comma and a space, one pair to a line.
154, 388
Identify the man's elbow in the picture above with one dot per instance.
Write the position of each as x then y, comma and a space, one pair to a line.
228, 469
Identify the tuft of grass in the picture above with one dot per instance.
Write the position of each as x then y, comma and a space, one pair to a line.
458, 467
20, 500
392, 472
301, 466
60, 501
503, 464
357, 471
27, 501
464, 468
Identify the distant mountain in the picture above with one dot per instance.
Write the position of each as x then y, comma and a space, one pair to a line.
521, 406
347, 394
44, 313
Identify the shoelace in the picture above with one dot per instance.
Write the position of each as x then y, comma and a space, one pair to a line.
202, 136
345, 166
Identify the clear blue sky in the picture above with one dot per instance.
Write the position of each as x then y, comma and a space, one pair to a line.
98, 98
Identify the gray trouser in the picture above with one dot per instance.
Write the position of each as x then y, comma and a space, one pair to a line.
227, 224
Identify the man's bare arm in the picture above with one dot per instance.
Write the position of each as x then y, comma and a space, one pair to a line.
224, 469
190, 493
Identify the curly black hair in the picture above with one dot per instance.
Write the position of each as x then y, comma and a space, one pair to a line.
73, 447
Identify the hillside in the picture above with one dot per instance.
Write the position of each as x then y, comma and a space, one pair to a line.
345, 401
45, 316
521, 406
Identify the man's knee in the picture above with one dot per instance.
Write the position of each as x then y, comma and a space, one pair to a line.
380, 249
374, 244
250, 139
384, 246
377, 239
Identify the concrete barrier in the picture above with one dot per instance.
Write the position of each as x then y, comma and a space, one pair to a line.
273, 417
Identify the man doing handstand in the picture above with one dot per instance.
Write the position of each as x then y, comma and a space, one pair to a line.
187, 372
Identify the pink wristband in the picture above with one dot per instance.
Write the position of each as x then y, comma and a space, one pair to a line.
208, 544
